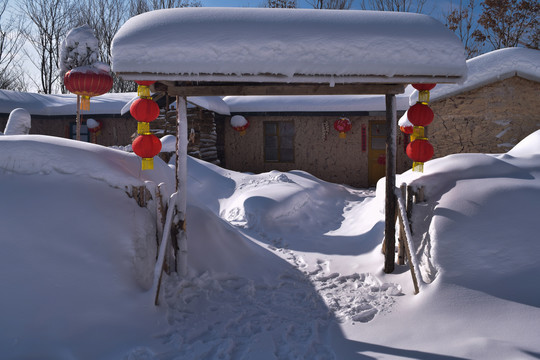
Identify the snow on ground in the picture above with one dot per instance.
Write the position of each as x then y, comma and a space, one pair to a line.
281, 265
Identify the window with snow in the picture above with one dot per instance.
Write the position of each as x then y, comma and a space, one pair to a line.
279, 141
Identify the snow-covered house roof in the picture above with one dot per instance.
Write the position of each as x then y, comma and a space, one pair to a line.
321, 103
287, 46
491, 67
61, 104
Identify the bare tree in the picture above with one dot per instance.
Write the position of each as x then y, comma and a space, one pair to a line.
462, 22
49, 23
394, 5
509, 23
137, 7
11, 43
288, 4
331, 4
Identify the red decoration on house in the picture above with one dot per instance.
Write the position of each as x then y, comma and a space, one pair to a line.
241, 128
144, 110
95, 129
144, 82
407, 129
423, 87
343, 125
146, 147
87, 81
420, 114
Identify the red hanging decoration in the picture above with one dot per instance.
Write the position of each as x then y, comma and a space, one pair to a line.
419, 151
423, 87
240, 124
87, 81
343, 125
406, 129
420, 114
144, 110
146, 147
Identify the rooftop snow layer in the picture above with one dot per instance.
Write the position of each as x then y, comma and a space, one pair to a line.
301, 103
61, 104
491, 67
287, 45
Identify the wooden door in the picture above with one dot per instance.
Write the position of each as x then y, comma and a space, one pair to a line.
376, 151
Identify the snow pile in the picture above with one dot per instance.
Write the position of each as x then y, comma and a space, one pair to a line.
19, 122
491, 67
284, 44
281, 265
79, 48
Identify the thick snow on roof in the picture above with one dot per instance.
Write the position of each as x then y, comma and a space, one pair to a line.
287, 45
301, 103
62, 104
212, 103
491, 67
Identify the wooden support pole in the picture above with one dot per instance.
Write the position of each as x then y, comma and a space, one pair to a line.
78, 119
402, 240
390, 201
181, 183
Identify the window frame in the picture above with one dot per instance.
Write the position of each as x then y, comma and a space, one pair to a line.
279, 138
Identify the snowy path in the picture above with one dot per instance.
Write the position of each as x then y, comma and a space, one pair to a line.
215, 316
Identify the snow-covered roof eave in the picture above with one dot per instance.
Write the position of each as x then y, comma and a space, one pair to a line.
287, 46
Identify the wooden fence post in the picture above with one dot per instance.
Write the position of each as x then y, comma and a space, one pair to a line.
402, 240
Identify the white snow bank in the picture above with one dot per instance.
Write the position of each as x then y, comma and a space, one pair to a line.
286, 45
19, 122
61, 104
491, 67
39, 154
301, 103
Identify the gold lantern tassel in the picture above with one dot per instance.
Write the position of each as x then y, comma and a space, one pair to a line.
143, 91
342, 135
143, 128
85, 102
418, 166
423, 97
147, 164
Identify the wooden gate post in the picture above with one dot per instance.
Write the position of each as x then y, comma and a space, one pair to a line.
390, 201
179, 218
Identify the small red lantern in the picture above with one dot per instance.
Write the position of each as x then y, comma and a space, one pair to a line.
343, 125
240, 124
87, 81
407, 129
420, 150
423, 87
420, 114
146, 147
144, 110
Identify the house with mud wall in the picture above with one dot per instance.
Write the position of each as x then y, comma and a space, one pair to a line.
493, 110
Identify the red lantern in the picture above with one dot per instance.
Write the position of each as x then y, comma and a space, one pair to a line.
423, 87
407, 129
420, 114
343, 125
420, 150
144, 110
87, 81
240, 124
144, 82
146, 147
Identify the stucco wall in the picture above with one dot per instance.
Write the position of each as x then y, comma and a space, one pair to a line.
332, 159
491, 119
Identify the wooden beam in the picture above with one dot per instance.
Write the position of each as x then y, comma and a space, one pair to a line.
390, 201
247, 89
